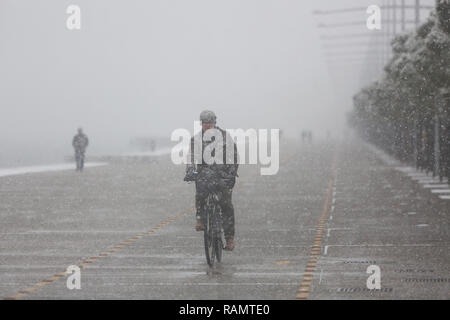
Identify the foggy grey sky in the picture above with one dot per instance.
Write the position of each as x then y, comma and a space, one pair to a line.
148, 67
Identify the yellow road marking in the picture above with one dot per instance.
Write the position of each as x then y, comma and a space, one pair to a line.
316, 249
42, 283
282, 262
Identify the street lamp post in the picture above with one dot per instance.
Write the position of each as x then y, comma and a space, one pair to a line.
417, 11
445, 136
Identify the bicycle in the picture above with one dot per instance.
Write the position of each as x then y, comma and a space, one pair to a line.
213, 235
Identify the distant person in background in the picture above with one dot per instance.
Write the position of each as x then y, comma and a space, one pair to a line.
80, 142
152, 145
307, 136
310, 136
303, 136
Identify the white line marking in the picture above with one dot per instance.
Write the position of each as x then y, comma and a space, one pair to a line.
266, 274
409, 170
329, 230
422, 225
420, 176
385, 245
440, 191
444, 197
430, 181
160, 152
332, 208
417, 174
241, 246
406, 168
190, 284
431, 186
36, 232
55, 167
325, 251
320, 278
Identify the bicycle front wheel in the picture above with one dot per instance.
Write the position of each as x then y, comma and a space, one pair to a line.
209, 240
218, 246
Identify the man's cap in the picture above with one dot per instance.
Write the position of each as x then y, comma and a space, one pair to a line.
208, 116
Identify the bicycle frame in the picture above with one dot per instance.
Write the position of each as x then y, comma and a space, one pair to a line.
213, 233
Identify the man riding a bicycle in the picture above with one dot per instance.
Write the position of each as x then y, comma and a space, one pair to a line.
218, 177
80, 142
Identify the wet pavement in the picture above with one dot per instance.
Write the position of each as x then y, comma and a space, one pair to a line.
309, 232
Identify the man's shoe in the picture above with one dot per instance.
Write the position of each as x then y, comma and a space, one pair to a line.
230, 244
199, 226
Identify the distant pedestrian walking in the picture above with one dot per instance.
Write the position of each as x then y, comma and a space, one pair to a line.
307, 136
310, 136
80, 142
